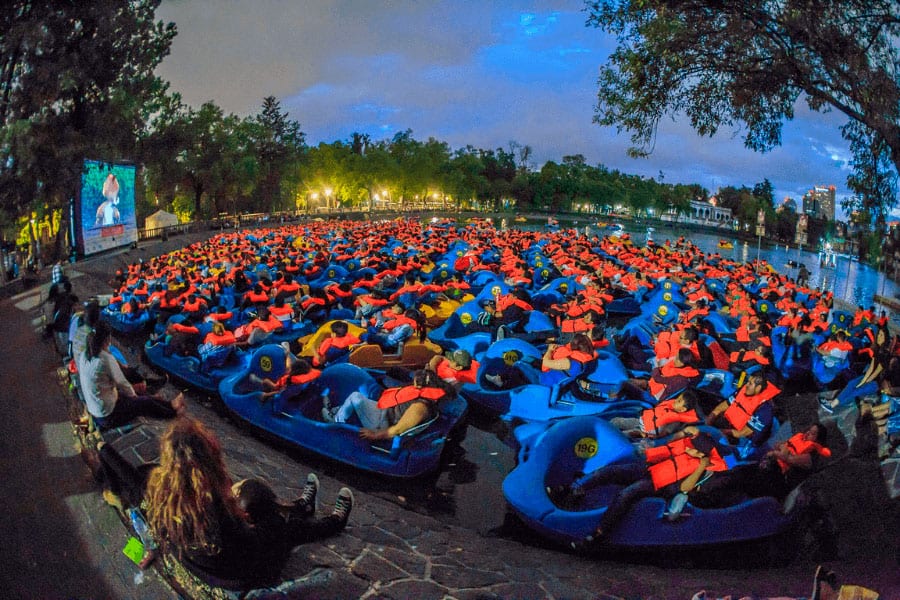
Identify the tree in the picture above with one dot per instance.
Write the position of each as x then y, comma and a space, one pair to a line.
76, 81
279, 144
748, 63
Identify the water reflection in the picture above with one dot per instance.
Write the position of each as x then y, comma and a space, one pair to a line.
848, 280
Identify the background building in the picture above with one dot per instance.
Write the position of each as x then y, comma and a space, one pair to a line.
819, 202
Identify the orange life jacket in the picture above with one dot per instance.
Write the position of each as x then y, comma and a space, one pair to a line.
674, 464
654, 419
739, 412
225, 339
567, 352
448, 373
797, 446
396, 396
507, 300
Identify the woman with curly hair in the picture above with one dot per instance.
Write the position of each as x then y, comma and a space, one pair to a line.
231, 535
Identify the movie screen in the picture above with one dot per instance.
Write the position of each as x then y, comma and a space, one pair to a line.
106, 210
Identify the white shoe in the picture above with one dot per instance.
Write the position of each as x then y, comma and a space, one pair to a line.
495, 379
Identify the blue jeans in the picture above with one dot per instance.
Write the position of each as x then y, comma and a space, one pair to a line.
366, 409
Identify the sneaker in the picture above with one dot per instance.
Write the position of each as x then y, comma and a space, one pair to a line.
676, 506
826, 406
307, 499
343, 505
327, 415
494, 379
501, 333
557, 493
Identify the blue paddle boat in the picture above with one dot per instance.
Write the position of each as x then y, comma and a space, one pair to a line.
570, 447
295, 416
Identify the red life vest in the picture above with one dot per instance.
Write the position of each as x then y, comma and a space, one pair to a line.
567, 352
797, 446
670, 370
194, 306
219, 316
299, 379
337, 342
576, 326
448, 373
507, 300
184, 328
675, 464
654, 419
225, 339
260, 298
282, 313
739, 412
396, 396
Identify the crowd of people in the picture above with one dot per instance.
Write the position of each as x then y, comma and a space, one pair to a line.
239, 288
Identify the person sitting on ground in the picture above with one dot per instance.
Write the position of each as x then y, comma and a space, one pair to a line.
456, 368
335, 345
664, 419
108, 396
567, 361
236, 536
749, 413
396, 410
666, 471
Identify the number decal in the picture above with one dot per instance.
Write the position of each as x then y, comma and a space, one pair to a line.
586, 447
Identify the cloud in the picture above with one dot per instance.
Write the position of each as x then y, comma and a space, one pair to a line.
466, 72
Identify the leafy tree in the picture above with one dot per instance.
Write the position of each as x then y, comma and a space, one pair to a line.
748, 63
729, 62
76, 81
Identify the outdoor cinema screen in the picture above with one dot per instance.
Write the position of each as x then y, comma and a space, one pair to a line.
106, 216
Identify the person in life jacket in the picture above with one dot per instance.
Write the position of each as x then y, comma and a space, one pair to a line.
665, 418
665, 381
336, 345
835, 350
299, 373
779, 472
749, 413
456, 368
396, 410
677, 467
563, 362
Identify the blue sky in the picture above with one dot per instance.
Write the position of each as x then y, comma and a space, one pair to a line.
466, 72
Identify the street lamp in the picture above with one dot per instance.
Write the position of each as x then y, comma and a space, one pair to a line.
328, 198
315, 197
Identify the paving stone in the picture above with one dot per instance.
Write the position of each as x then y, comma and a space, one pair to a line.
375, 568
412, 562
454, 577
476, 595
420, 590
521, 590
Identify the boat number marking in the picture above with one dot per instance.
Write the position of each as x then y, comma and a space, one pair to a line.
265, 363
586, 447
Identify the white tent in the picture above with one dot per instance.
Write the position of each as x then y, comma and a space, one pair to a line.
160, 219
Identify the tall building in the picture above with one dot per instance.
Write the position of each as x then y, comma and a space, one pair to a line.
819, 202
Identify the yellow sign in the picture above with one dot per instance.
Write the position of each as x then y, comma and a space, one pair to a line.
465, 318
265, 363
586, 447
